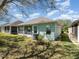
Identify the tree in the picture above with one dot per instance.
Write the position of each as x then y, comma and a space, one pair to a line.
66, 23
21, 5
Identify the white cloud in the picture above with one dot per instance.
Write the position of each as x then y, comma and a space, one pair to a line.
66, 3
75, 16
58, 0
63, 6
52, 12
63, 16
65, 11
70, 12
68, 16
34, 15
18, 15
31, 15
31, 18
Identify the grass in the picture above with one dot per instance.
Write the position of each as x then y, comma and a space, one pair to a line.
33, 49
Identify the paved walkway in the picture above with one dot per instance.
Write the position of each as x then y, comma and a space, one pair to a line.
73, 39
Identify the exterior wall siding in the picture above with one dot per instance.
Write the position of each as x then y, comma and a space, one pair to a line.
70, 30
74, 31
5, 31
57, 30
42, 30
78, 33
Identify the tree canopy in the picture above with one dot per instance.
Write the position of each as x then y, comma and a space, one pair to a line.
21, 5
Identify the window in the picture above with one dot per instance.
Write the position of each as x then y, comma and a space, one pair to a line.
28, 29
20, 29
35, 29
7, 29
48, 30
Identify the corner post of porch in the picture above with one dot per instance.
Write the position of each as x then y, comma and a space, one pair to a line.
10, 30
17, 30
78, 33
32, 30
3, 29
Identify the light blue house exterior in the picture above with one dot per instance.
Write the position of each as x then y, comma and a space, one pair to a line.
42, 26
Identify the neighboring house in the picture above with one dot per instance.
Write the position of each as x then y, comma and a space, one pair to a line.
11, 28
43, 26
74, 30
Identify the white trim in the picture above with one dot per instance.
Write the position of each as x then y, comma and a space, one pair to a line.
17, 29
10, 30
32, 29
23, 30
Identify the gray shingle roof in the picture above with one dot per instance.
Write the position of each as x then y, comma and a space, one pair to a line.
37, 21
14, 23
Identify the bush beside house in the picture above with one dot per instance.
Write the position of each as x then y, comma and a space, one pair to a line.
63, 37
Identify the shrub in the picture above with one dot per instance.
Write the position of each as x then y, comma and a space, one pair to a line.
10, 40
63, 37
3, 42
11, 37
40, 37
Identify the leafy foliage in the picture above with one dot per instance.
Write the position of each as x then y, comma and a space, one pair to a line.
9, 37
36, 49
9, 42
63, 37
40, 37
21, 5
66, 23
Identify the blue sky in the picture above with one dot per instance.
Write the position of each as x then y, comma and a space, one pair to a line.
66, 9
75, 5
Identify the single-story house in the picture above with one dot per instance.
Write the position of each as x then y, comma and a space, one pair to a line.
74, 30
11, 28
48, 28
